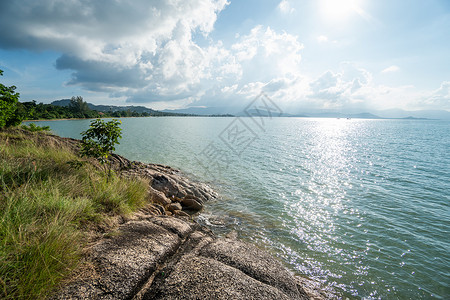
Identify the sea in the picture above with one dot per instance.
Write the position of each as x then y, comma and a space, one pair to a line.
360, 206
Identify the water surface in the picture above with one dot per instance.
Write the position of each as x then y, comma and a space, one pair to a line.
362, 205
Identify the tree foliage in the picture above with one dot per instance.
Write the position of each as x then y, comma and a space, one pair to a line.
100, 139
8, 105
79, 107
39, 111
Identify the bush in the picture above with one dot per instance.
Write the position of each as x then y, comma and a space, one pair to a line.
8, 106
100, 139
33, 127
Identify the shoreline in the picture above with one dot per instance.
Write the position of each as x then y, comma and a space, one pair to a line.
150, 247
178, 199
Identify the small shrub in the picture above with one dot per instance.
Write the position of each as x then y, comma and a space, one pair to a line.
100, 139
34, 128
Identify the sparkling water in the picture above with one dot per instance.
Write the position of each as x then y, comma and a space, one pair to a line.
361, 205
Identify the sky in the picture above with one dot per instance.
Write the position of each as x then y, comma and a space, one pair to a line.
306, 55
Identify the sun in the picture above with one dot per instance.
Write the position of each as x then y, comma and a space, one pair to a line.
339, 9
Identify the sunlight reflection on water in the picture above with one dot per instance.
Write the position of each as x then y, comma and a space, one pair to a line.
362, 205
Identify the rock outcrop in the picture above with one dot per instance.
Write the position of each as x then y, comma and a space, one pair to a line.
168, 187
161, 257
160, 253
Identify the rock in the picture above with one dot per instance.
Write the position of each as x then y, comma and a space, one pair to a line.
181, 213
168, 186
125, 261
159, 197
161, 209
204, 278
169, 258
255, 263
233, 235
174, 207
191, 204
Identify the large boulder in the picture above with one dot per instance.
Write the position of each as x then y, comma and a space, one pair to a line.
253, 262
160, 257
196, 277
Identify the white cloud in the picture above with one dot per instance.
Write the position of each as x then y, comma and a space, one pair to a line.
267, 54
130, 49
438, 99
322, 39
285, 7
391, 69
144, 51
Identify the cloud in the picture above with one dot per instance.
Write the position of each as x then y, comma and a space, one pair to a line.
335, 90
438, 99
125, 48
263, 60
285, 7
267, 54
146, 51
391, 69
322, 39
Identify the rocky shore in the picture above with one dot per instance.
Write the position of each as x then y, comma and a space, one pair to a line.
160, 252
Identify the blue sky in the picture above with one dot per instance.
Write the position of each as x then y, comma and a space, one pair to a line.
353, 55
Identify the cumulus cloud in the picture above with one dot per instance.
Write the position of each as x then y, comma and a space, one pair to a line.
340, 89
145, 51
285, 7
268, 53
438, 99
322, 39
124, 48
391, 69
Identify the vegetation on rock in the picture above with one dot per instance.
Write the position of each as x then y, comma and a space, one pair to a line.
9, 98
100, 139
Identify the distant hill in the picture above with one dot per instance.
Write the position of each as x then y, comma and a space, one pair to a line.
106, 108
228, 111
417, 114
202, 111
113, 108
266, 113
142, 109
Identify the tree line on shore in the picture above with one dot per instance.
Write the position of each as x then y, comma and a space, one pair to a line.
77, 108
13, 112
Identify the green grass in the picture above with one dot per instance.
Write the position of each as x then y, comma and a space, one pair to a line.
49, 199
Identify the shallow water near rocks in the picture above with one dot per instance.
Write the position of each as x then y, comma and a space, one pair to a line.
361, 205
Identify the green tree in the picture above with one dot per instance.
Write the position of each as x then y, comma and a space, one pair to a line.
8, 106
79, 106
100, 139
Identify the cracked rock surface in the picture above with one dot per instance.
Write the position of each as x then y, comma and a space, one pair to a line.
161, 257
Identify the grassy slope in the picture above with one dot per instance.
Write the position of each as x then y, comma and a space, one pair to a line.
49, 198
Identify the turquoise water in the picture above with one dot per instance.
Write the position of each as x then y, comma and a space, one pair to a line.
361, 205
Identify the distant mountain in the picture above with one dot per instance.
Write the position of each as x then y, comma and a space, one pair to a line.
202, 111
227, 111
331, 114
106, 108
266, 113
418, 114
113, 108
413, 118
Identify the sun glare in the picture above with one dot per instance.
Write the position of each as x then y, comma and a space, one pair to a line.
339, 9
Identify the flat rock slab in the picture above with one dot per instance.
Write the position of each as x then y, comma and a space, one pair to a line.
197, 277
162, 257
126, 259
253, 262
